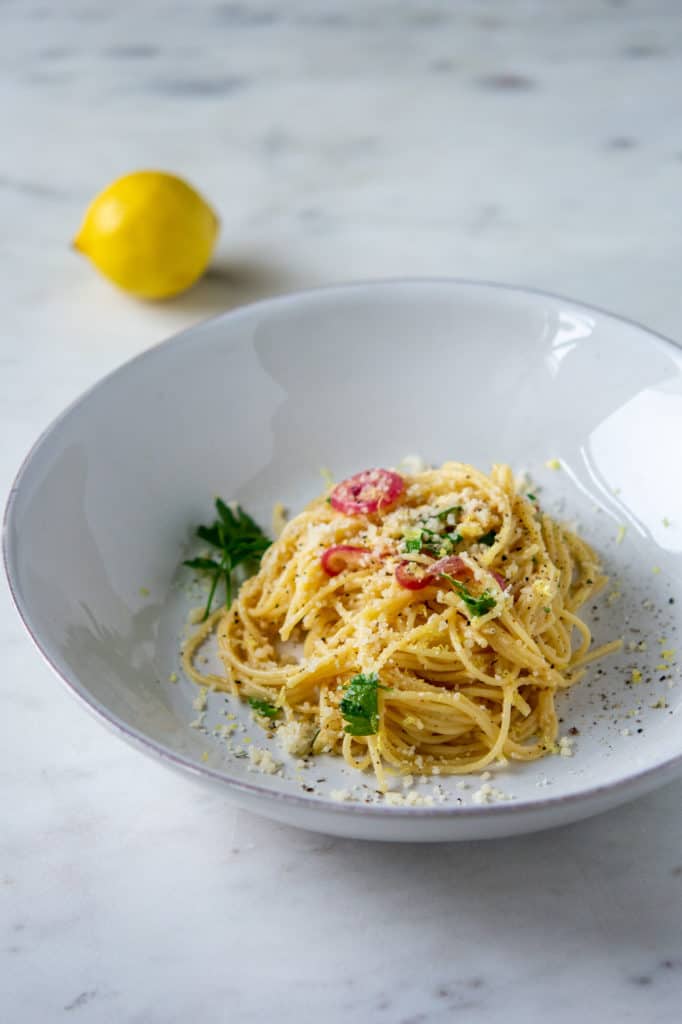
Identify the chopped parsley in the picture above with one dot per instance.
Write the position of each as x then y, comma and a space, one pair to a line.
360, 705
476, 605
413, 540
239, 540
429, 542
444, 513
424, 540
488, 538
531, 496
264, 708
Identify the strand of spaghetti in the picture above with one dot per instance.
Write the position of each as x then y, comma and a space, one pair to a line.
599, 652
583, 629
192, 646
498, 747
361, 763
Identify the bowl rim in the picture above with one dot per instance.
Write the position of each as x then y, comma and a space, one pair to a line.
141, 741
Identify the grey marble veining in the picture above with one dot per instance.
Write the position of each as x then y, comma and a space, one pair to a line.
532, 142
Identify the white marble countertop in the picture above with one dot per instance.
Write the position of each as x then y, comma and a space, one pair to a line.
531, 142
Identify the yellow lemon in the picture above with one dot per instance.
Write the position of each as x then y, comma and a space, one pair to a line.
150, 233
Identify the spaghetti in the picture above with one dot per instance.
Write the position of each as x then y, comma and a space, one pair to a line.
416, 624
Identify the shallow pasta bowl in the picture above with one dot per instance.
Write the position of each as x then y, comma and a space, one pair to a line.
251, 406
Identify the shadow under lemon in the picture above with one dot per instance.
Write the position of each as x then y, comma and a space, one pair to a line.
228, 284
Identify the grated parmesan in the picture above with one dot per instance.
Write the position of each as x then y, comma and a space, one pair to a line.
488, 794
296, 738
411, 799
262, 760
200, 702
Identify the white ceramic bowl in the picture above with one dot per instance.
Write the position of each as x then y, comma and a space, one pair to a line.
251, 405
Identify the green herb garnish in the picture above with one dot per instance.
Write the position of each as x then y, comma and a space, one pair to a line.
476, 605
430, 543
531, 496
442, 545
413, 540
488, 538
423, 540
264, 708
238, 538
444, 513
360, 705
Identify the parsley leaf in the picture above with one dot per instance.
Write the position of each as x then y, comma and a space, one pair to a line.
239, 540
476, 605
360, 704
413, 541
203, 564
444, 513
263, 707
488, 538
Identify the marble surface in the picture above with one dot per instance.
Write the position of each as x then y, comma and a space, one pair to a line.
538, 143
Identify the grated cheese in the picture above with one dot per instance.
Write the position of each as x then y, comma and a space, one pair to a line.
296, 738
412, 464
200, 702
262, 760
410, 799
488, 794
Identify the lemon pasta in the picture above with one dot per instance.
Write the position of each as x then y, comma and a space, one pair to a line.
417, 623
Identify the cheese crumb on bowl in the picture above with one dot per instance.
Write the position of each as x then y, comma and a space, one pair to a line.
296, 738
262, 760
410, 799
200, 702
488, 794
412, 464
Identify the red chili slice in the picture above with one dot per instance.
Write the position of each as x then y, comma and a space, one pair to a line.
370, 491
411, 576
453, 565
344, 556
414, 578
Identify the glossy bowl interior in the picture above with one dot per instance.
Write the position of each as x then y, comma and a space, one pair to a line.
251, 405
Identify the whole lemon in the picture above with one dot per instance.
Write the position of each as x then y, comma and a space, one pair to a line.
150, 233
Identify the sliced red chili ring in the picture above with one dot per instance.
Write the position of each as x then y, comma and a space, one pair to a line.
412, 576
453, 565
344, 556
373, 490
